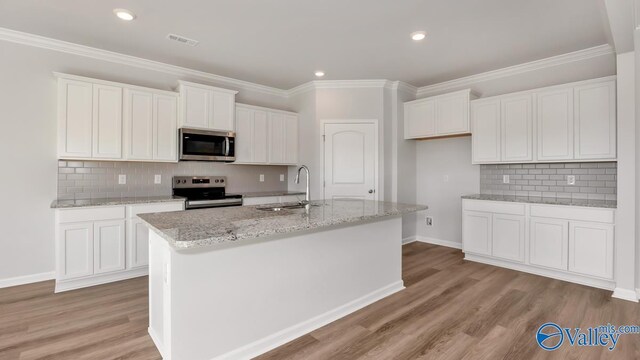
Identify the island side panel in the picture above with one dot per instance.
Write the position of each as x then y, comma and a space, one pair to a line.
159, 294
241, 301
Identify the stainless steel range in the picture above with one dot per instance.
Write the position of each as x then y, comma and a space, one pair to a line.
204, 191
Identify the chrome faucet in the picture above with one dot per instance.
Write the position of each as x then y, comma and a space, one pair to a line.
307, 197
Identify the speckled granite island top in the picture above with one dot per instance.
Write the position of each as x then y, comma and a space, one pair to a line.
62, 204
206, 227
609, 204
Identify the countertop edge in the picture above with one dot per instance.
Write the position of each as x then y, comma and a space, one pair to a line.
607, 204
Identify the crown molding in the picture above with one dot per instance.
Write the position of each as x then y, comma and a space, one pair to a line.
404, 87
118, 58
348, 84
468, 81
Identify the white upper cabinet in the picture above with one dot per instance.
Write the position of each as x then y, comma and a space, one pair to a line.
138, 120
291, 139
485, 115
251, 135
151, 125
103, 120
516, 123
595, 121
453, 114
207, 107
554, 117
441, 115
420, 119
571, 122
266, 136
75, 118
107, 122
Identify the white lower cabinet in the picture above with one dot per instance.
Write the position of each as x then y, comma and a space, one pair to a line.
565, 242
591, 249
108, 246
97, 245
477, 232
76, 248
508, 237
549, 243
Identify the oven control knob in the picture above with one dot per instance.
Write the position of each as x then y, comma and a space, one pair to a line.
221, 180
184, 181
217, 181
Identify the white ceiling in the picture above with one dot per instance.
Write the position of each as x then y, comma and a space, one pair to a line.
281, 43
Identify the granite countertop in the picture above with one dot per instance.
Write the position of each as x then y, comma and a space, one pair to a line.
609, 204
64, 204
206, 227
268, 193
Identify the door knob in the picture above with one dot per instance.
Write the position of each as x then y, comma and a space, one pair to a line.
371, 191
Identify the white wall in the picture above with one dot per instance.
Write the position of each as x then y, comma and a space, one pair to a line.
626, 211
315, 106
436, 159
28, 144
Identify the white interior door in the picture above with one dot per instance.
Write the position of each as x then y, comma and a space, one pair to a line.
350, 160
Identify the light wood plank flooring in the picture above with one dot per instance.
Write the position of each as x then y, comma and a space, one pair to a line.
451, 309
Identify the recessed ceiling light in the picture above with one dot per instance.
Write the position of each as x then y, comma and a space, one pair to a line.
319, 73
418, 35
124, 14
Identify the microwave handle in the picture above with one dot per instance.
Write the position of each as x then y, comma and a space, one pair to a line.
226, 146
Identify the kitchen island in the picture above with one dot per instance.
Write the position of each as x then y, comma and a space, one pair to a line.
237, 282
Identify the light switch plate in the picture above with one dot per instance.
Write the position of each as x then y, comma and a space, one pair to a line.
505, 179
122, 179
261, 177
281, 177
157, 179
571, 179
445, 178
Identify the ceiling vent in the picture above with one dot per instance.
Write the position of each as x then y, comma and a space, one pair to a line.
182, 40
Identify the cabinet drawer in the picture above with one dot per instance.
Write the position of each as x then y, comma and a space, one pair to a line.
494, 207
91, 214
573, 213
134, 210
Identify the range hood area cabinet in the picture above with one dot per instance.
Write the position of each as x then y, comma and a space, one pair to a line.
266, 136
206, 107
104, 120
438, 116
569, 122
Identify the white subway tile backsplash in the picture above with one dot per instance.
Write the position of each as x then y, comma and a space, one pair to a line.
99, 179
594, 180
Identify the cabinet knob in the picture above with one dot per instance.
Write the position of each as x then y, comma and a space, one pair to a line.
371, 191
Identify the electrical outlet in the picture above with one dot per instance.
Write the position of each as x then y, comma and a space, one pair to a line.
261, 177
571, 179
122, 179
429, 221
505, 179
281, 177
157, 179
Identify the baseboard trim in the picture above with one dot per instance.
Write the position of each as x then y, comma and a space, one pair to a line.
625, 294
434, 241
27, 279
284, 336
73, 284
554, 274
157, 342
409, 239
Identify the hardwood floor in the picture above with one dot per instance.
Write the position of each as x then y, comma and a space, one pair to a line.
451, 309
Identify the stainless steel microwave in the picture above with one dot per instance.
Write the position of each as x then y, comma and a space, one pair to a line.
207, 145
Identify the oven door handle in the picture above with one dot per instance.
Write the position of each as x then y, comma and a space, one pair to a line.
226, 146
200, 203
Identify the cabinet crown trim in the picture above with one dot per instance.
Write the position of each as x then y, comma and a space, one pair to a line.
113, 83
206, 87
